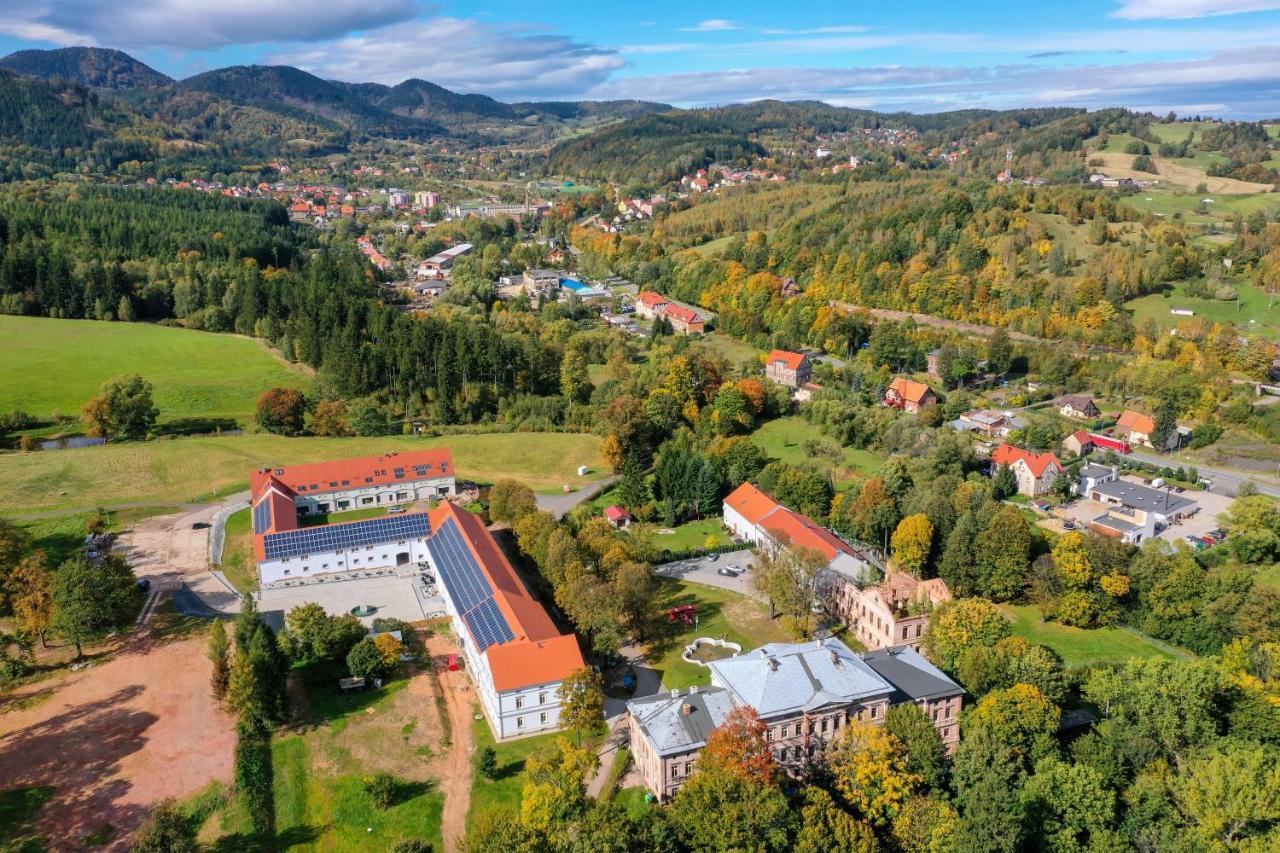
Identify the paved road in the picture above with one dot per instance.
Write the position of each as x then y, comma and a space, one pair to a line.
1225, 481
558, 504
702, 570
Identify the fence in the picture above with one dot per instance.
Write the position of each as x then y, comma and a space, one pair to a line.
218, 533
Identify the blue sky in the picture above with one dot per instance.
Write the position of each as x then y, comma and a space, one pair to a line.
1218, 57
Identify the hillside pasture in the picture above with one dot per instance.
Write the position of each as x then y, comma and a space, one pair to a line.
1176, 174
57, 365
1252, 312
184, 470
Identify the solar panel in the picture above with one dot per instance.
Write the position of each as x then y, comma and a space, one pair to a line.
262, 516
331, 537
468, 587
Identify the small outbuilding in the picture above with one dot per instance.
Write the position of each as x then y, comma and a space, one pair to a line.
618, 517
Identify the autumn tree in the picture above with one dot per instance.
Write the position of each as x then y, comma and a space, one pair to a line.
869, 766
581, 697
1022, 718
218, 656
282, 411
1229, 798
331, 418
825, 827
926, 754
510, 500
555, 796
122, 409
1013, 660
575, 383
959, 625
31, 596
738, 746
912, 542
788, 577
925, 824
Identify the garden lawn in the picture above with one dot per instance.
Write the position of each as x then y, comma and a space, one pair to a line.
238, 563
721, 614
181, 470
1079, 646
57, 365
1251, 313
632, 801
735, 350
784, 438
503, 792
692, 535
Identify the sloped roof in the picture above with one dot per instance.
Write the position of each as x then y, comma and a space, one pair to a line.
751, 503
790, 360
1136, 422
914, 392
673, 729
529, 663
1079, 402
1007, 454
911, 675
784, 678
682, 313
651, 298
341, 474
785, 525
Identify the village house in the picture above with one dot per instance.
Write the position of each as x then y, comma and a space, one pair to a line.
1078, 406
649, 303
1079, 443
988, 423
1135, 428
1035, 472
909, 396
683, 319
894, 612
804, 693
787, 368
439, 265
617, 516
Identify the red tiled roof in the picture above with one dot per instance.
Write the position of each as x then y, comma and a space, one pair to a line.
319, 477
790, 360
652, 298
615, 513
751, 503
1136, 422
784, 525
1007, 454
914, 392
680, 312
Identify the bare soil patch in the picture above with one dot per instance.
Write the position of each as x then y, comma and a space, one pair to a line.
455, 778
115, 738
1178, 174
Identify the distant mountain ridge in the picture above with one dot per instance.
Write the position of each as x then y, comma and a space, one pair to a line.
96, 67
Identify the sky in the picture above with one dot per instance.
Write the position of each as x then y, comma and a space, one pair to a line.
1212, 57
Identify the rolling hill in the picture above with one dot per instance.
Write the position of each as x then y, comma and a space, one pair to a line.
97, 67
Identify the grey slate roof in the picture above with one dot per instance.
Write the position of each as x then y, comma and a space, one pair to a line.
1095, 471
1115, 522
783, 678
670, 729
913, 678
1140, 497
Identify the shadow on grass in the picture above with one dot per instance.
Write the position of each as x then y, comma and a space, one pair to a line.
406, 791
328, 704
18, 807
286, 840
665, 634
196, 426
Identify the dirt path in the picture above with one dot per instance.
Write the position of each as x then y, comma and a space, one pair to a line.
455, 780
115, 738
172, 550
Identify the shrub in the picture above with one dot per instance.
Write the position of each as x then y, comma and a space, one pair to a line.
365, 660
412, 845
166, 830
381, 788
486, 761
253, 776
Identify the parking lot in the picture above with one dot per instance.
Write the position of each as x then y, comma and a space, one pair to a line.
390, 596
704, 571
1211, 505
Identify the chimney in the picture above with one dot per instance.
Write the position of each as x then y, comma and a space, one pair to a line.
835, 658
773, 664
686, 709
693, 691
675, 692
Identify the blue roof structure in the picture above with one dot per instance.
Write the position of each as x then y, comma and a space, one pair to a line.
262, 516
468, 587
331, 537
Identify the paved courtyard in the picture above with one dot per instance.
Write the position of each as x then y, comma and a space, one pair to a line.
1211, 505
701, 570
390, 596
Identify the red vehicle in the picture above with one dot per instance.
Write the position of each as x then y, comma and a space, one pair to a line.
1106, 442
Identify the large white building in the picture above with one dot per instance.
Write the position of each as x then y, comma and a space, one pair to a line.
392, 478
517, 657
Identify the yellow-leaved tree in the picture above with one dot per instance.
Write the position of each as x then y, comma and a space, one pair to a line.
912, 541
870, 769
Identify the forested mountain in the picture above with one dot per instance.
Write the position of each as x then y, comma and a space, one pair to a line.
99, 67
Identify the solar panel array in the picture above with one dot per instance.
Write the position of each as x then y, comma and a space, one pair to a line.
468, 588
331, 537
262, 515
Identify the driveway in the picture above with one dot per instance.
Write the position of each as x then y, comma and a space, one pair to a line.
559, 504
703, 571
1083, 511
1225, 481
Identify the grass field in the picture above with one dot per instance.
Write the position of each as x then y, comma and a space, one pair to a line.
721, 614
182, 470
784, 439
1250, 312
57, 365
238, 563
1078, 646
692, 535
734, 350
1169, 204
504, 791
62, 536
319, 770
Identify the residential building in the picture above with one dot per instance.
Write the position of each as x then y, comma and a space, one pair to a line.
618, 517
1092, 476
516, 656
754, 516
909, 396
805, 392
541, 284
1078, 406
650, 303
423, 199
787, 368
894, 612
684, 320
1035, 472
804, 693
1164, 506
391, 478
1135, 428
438, 265
990, 423
1130, 526
1079, 443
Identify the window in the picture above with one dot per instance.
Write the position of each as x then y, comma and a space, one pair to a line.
542, 718
286, 571
519, 722
519, 702
675, 771
905, 629
542, 698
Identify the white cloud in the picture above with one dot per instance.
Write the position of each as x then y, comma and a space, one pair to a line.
1178, 9
712, 25
195, 24
506, 61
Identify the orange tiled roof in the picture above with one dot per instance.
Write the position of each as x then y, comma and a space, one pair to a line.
790, 360
319, 477
914, 392
784, 525
1136, 422
652, 298
1007, 454
751, 503
533, 662
680, 312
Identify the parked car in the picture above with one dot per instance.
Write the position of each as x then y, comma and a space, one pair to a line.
727, 572
711, 558
1069, 524
394, 509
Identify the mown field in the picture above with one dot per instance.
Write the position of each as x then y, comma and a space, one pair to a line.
784, 439
1078, 646
184, 470
57, 365
1251, 312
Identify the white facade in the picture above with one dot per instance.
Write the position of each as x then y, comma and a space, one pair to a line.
388, 494
362, 558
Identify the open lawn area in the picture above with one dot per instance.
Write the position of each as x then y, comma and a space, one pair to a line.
319, 767
731, 348
692, 535
57, 365
238, 563
182, 470
1079, 646
633, 801
504, 791
1251, 312
1188, 204
721, 614
62, 536
784, 439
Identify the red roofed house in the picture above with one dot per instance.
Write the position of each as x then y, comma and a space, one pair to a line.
909, 396
617, 516
1135, 428
787, 368
650, 303
1035, 472
753, 515
324, 487
1079, 442
684, 320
